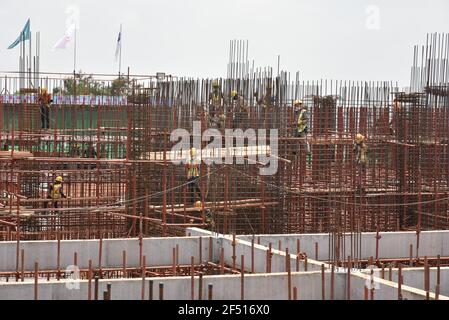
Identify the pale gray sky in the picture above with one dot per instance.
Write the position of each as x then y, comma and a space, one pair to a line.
320, 38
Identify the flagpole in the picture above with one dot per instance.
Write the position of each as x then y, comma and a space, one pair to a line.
74, 54
120, 56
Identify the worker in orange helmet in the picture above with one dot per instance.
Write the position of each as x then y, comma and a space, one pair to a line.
45, 101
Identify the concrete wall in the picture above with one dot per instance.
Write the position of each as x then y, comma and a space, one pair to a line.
414, 277
385, 290
256, 287
278, 258
158, 251
243, 247
391, 244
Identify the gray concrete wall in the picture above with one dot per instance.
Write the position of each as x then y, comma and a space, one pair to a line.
414, 277
391, 244
386, 290
158, 251
243, 247
278, 258
256, 287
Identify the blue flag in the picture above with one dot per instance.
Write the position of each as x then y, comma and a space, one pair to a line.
24, 35
119, 44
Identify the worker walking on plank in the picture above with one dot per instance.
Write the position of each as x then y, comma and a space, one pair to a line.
44, 107
55, 192
193, 175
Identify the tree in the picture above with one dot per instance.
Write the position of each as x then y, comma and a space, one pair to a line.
84, 85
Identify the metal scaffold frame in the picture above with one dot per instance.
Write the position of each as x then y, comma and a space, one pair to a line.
114, 152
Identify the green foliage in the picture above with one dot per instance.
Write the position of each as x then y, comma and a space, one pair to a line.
83, 84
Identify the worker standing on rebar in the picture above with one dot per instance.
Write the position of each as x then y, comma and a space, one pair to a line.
239, 112
267, 103
44, 107
75, 150
193, 175
302, 122
215, 104
361, 149
90, 151
395, 116
209, 219
55, 192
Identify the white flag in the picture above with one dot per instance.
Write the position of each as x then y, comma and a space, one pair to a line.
68, 36
119, 44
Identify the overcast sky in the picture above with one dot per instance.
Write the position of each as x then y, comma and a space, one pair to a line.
345, 39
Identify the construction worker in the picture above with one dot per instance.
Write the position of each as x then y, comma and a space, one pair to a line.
266, 103
268, 99
360, 149
209, 219
55, 192
215, 104
302, 121
395, 120
75, 150
239, 112
90, 151
44, 107
193, 175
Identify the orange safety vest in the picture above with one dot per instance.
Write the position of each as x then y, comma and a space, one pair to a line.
45, 98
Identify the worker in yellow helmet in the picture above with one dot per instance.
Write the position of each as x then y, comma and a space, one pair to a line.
239, 111
302, 119
193, 175
302, 116
55, 192
360, 149
215, 103
44, 101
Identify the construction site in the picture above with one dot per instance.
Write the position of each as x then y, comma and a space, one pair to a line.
310, 190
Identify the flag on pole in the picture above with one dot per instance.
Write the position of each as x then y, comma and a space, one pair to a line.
119, 44
68, 36
24, 35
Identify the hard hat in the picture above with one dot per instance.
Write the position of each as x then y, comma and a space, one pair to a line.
215, 84
359, 137
198, 204
59, 179
296, 102
233, 93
